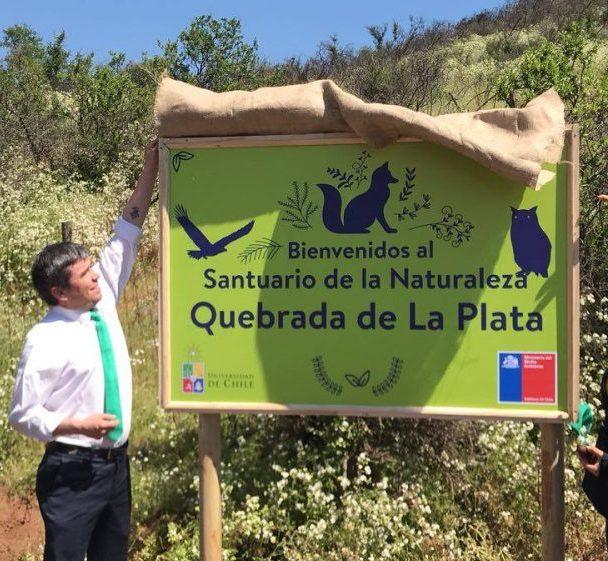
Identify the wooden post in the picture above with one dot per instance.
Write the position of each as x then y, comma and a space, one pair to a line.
66, 231
210, 496
573, 233
552, 491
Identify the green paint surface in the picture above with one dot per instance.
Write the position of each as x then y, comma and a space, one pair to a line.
223, 189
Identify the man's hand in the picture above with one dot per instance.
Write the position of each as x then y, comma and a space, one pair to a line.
590, 457
151, 156
95, 426
603, 198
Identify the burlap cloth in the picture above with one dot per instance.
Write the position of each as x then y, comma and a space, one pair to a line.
512, 142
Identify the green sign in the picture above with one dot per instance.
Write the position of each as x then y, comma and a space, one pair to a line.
335, 278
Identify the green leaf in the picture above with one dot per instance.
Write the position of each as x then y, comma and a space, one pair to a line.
364, 379
352, 380
177, 159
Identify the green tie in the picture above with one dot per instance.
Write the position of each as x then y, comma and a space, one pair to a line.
111, 393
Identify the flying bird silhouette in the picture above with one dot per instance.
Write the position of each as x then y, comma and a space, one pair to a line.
205, 247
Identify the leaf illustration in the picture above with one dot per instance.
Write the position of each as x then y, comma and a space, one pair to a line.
344, 179
265, 248
323, 378
391, 378
451, 228
353, 380
360, 167
179, 157
298, 208
359, 381
408, 187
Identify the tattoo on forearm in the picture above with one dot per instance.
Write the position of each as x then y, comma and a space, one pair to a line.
134, 212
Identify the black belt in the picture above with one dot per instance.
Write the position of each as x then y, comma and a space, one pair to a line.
105, 453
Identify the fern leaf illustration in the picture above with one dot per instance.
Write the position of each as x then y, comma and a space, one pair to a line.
264, 248
297, 207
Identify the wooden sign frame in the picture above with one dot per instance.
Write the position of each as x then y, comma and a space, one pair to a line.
539, 415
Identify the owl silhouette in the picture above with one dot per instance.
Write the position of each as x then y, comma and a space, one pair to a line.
531, 246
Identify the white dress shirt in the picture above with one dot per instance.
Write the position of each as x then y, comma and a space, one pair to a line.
60, 372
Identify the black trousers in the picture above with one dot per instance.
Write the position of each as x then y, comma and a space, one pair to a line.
85, 501
596, 488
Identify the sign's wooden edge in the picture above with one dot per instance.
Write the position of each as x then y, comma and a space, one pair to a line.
163, 279
572, 237
366, 411
269, 140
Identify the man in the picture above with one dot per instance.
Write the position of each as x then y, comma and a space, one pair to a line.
73, 389
594, 459
595, 462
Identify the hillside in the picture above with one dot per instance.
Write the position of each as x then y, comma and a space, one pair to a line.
295, 488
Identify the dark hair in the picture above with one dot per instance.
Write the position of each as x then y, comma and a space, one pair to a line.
51, 268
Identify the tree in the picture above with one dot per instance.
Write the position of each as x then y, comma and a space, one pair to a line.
213, 54
67, 112
21, 41
56, 62
569, 66
107, 102
566, 65
31, 113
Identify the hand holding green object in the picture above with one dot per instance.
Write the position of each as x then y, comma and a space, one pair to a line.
590, 458
582, 427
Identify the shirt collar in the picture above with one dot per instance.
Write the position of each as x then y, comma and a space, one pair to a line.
72, 314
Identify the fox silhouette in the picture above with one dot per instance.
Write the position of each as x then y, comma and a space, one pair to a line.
363, 210
531, 246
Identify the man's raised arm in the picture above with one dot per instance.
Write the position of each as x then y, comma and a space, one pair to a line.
138, 204
117, 257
